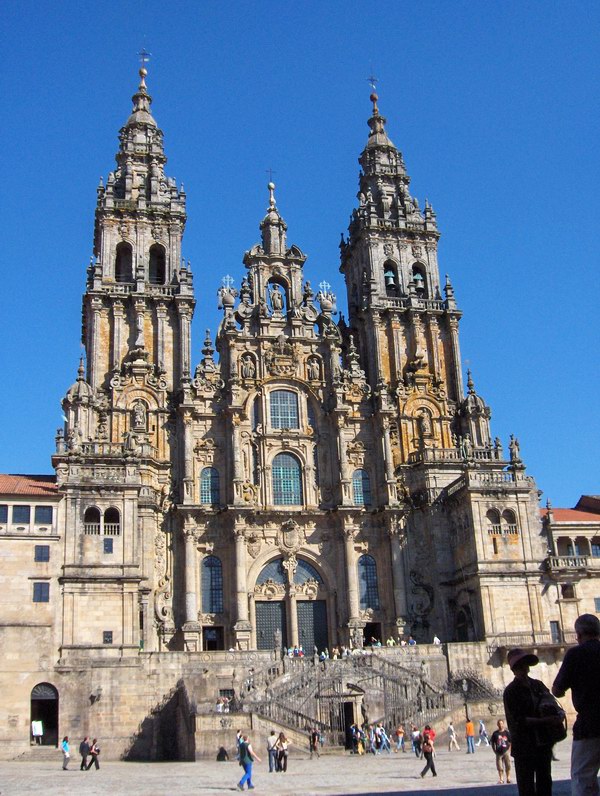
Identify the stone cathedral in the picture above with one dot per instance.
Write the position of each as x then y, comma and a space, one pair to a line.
315, 480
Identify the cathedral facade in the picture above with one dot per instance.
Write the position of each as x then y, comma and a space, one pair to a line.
310, 482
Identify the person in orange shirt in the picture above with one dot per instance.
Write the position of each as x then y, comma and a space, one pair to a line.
470, 736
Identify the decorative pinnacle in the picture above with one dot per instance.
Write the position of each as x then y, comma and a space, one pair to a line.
144, 57
271, 187
470, 383
80, 370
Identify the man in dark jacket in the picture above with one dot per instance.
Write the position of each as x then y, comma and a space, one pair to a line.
580, 671
531, 753
84, 750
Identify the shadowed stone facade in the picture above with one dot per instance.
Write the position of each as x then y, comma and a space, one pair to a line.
311, 481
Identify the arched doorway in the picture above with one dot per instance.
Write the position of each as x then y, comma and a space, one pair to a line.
44, 712
291, 606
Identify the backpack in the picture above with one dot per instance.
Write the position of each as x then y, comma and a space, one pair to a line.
546, 705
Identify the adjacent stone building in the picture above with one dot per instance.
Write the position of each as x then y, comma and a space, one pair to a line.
311, 482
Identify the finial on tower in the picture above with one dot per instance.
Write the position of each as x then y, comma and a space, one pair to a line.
271, 187
470, 382
372, 80
144, 57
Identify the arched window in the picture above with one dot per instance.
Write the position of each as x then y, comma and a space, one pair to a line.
367, 583
112, 522
361, 488
284, 409
91, 521
157, 268
509, 522
123, 261
390, 277
287, 483
209, 486
305, 571
272, 571
493, 521
418, 277
256, 414
212, 585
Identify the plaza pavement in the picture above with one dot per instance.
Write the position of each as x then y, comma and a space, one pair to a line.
332, 775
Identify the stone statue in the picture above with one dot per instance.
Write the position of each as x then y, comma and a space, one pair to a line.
514, 448
248, 368
314, 371
276, 298
424, 421
139, 415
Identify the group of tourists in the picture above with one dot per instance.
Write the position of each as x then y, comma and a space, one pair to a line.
87, 749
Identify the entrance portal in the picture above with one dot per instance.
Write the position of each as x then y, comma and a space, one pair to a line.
270, 618
312, 625
372, 631
212, 638
44, 711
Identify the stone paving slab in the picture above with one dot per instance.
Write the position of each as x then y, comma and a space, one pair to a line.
458, 775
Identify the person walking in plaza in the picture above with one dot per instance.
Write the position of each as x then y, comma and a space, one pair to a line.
282, 752
313, 742
452, 739
272, 751
531, 751
66, 751
416, 738
84, 750
580, 671
483, 736
500, 743
428, 752
400, 738
470, 736
94, 754
247, 758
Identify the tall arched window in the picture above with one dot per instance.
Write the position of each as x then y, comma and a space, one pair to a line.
272, 571
509, 522
493, 521
91, 521
390, 277
209, 486
212, 585
367, 583
361, 488
123, 261
287, 482
418, 275
112, 522
305, 571
157, 268
284, 409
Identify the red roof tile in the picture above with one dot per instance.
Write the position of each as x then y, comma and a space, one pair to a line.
572, 515
41, 485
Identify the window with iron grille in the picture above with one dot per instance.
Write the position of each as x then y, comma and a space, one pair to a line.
107, 637
284, 409
21, 514
43, 515
3, 513
272, 571
212, 585
287, 484
209, 486
108, 545
361, 488
367, 582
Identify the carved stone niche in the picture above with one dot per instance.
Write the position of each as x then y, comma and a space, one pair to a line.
270, 590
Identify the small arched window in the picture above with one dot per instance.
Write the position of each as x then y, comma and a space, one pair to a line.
212, 585
157, 267
123, 263
418, 277
367, 583
509, 522
91, 521
493, 521
112, 522
209, 486
284, 409
390, 277
256, 413
287, 481
361, 488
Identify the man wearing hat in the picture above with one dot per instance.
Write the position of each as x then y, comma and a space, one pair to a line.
533, 757
580, 671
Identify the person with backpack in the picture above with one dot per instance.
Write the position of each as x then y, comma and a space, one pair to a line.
247, 758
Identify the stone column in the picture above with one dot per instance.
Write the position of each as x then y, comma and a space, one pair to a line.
351, 573
188, 480
397, 540
345, 478
184, 339
294, 640
191, 605
238, 475
456, 358
242, 627
117, 342
161, 318
95, 343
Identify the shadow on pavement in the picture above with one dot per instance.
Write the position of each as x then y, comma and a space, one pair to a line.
560, 787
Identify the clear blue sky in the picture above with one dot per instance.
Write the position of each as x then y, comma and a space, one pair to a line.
494, 105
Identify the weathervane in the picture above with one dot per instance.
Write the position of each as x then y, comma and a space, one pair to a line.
144, 57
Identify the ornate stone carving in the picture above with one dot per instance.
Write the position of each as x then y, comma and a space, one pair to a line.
205, 450
290, 536
270, 590
356, 453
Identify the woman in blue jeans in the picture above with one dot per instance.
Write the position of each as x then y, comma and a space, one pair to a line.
247, 757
